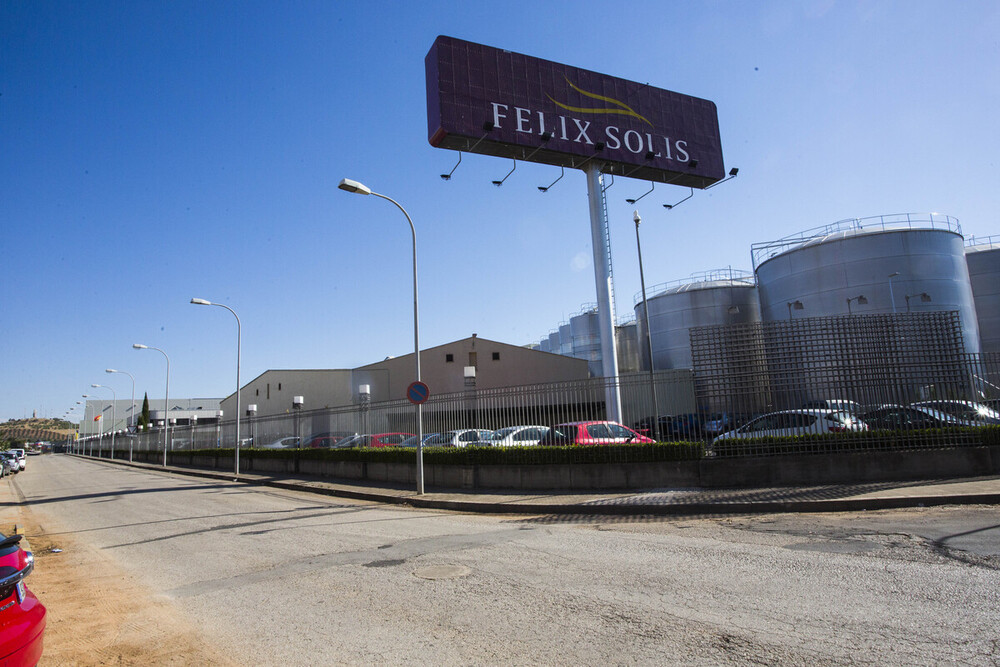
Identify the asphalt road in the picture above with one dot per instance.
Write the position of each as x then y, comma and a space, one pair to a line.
277, 577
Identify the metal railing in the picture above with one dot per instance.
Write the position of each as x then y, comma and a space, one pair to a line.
760, 252
863, 382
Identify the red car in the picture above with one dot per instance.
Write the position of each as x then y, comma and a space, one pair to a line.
22, 616
593, 433
383, 439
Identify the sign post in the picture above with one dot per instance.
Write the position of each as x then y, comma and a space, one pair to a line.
490, 101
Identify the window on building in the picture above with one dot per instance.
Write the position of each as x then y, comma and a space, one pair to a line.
449, 358
496, 356
279, 386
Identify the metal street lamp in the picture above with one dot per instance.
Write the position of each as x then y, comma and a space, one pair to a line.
891, 297
861, 299
924, 298
114, 399
131, 414
99, 429
166, 399
239, 342
655, 427
359, 188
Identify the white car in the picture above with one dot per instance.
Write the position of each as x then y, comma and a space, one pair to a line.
517, 436
22, 458
795, 422
461, 438
290, 442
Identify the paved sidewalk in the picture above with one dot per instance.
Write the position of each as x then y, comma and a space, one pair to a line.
828, 498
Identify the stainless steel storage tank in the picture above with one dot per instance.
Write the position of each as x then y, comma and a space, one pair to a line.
881, 264
554, 342
627, 340
586, 336
983, 259
719, 297
565, 340
543, 345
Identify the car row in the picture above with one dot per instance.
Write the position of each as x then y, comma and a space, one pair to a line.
846, 416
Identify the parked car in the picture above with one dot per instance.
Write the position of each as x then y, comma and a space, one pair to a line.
11, 459
325, 439
22, 615
468, 437
288, 442
898, 417
22, 458
4, 466
968, 410
645, 426
412, 440
719, 422
517, 436
837, 404
796, 422
381, 440
593, 433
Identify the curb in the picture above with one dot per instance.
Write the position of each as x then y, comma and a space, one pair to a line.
593, 508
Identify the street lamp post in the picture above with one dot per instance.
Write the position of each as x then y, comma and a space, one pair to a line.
891, 297
166, 399
131, 414
239, 342
353, 186
794, 305
114, 399
861, 299
924, 298
655, 426
100, 431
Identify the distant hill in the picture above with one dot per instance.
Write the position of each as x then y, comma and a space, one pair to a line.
33, 430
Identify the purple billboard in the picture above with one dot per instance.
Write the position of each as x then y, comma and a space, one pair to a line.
486, 100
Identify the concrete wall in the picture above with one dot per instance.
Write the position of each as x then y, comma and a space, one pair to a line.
801, 470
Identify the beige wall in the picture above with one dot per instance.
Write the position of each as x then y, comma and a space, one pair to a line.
273, 391
515, 366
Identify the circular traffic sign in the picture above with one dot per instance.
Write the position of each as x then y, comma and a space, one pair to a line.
417, 392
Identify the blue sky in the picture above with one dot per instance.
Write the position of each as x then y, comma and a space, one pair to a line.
151, 152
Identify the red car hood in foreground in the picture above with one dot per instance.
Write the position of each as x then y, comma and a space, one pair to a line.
22, 616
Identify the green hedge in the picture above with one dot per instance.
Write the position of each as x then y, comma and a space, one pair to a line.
858, 441
672, 451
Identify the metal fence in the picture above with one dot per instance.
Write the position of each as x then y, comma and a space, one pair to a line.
860, 364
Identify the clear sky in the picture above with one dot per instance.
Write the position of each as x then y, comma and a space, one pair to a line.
151, 152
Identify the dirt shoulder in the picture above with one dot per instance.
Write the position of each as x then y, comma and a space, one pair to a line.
97, 614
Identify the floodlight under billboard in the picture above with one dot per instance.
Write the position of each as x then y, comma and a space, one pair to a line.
486, 100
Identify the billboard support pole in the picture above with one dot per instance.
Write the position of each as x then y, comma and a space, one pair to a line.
601, 242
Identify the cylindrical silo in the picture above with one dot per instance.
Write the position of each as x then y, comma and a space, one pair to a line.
565, 340
627, 342
586, 335
882, 264
982, 256
716, 297
544, 346
554, 342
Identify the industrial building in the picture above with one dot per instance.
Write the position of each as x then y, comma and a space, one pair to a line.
469, 363
117, 415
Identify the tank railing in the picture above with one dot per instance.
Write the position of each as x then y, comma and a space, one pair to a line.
977, 241
736, 277
763, 251
585, 309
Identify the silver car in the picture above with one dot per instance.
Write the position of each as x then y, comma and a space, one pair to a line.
795, 422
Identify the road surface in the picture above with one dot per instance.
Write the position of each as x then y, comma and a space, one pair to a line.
157, 568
